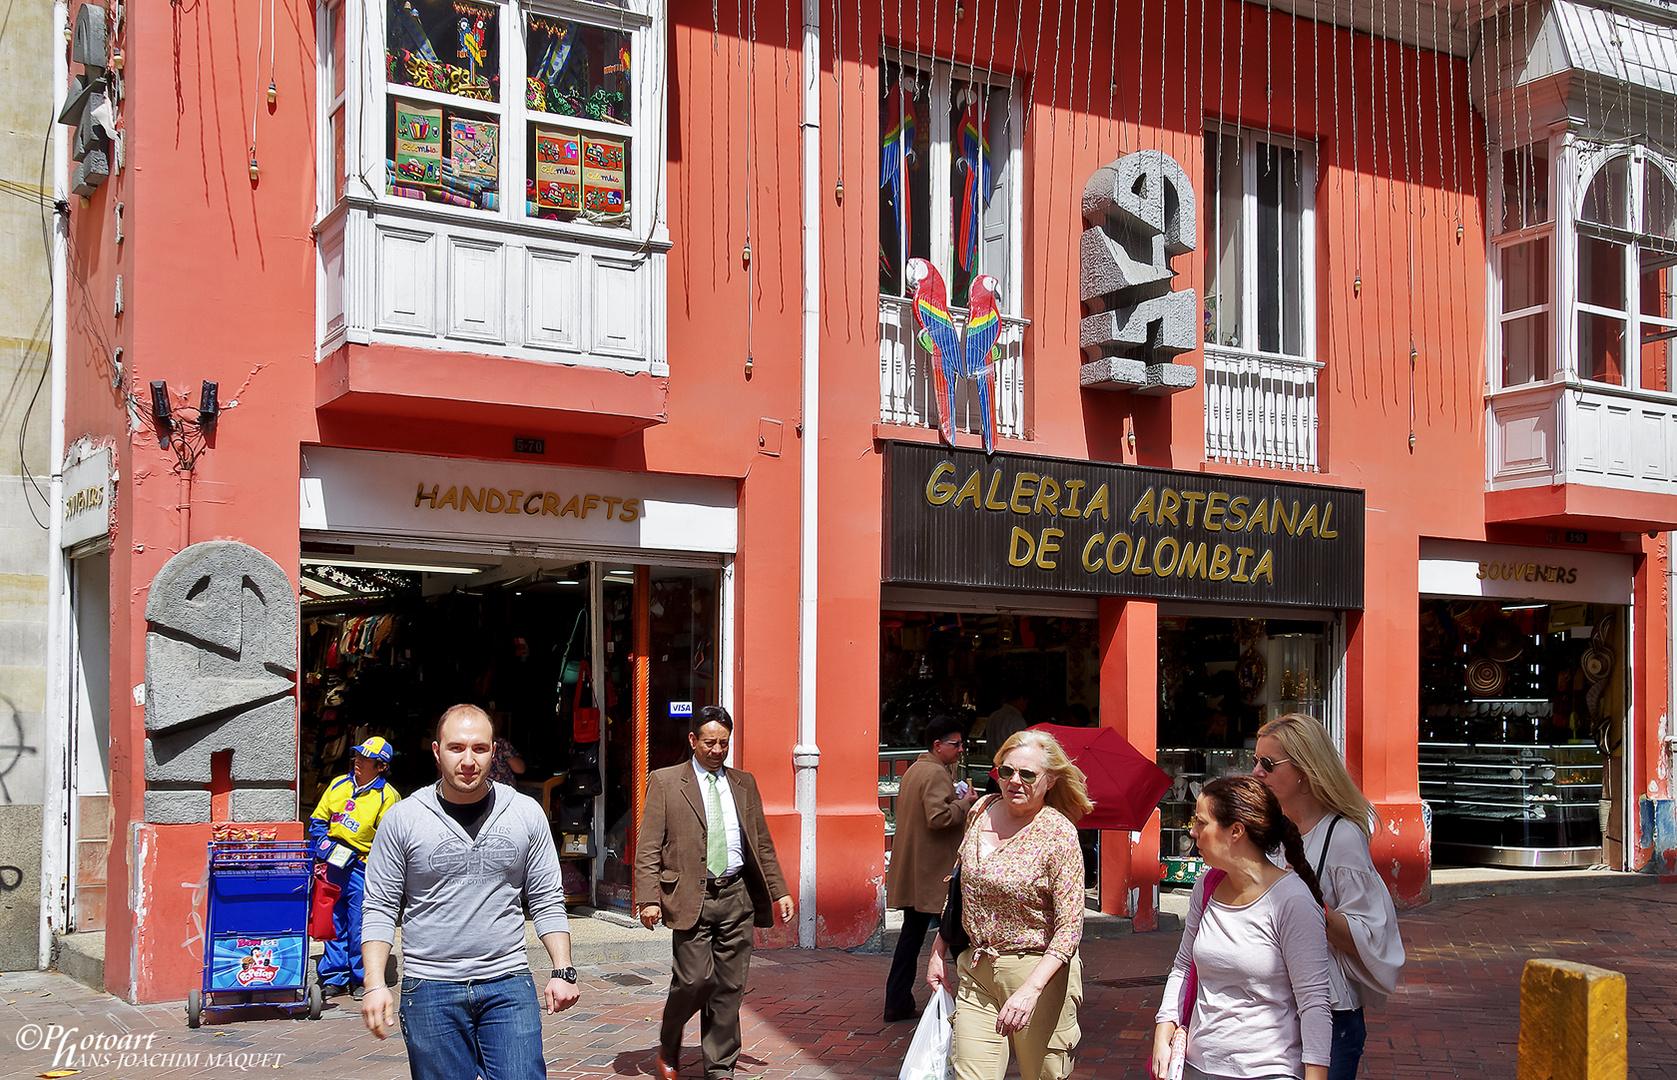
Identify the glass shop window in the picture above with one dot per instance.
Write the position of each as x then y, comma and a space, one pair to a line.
478, 91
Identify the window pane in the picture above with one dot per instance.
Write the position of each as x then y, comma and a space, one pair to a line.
1601, 273
335, 47
970, 180
1525, 349
1525, 275
1607, 200
1656, 358
338, 166
450, 46
1659, 202
1279, 287
442, 154
577, 69
904, 175
1601, 344
1525, 187
1659, 318
1223, 248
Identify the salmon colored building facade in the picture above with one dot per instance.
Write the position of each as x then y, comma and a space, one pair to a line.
674, 436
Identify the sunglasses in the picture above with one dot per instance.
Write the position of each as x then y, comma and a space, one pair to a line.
1008, 772
1269, 764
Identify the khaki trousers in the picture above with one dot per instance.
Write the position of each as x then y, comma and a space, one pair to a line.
1045, 1048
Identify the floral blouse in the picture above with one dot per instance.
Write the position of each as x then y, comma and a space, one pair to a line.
1025, 896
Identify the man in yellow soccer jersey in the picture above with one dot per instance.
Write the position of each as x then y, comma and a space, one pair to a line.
341, 832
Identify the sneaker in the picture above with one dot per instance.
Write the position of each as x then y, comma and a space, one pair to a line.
334, 989
359, 992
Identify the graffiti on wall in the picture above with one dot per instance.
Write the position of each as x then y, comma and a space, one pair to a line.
221, 670
14, 747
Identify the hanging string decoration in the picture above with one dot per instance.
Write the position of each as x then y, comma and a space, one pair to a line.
975, 163
897, 149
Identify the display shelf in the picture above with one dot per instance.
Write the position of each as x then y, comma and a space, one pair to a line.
1530, 804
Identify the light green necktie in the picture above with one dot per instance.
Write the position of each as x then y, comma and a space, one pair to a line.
716, 831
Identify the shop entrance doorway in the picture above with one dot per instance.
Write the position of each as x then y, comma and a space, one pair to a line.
589, 669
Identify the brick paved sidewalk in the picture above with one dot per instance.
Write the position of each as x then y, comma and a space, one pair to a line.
814, 1016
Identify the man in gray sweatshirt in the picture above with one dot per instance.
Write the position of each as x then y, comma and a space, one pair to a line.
453, 862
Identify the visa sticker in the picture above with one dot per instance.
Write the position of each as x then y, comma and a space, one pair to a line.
681, 708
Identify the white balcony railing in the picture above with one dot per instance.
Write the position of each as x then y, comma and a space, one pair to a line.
1260, 409
906, 395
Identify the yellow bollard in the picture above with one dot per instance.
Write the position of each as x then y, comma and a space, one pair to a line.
1572, 1022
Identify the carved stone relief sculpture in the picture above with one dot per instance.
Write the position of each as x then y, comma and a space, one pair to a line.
1138, 212
221, 670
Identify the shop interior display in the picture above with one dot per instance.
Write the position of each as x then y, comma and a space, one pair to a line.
962, 664
386, 648
1518, 701
1219, 681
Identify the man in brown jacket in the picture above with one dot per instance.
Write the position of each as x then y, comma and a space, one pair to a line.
705, 865
931, 815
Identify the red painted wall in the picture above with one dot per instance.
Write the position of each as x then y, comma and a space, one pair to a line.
219, 283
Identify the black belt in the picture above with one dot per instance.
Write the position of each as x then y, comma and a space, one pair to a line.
722, 882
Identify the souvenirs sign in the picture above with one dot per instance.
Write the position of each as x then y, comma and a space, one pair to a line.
962, 518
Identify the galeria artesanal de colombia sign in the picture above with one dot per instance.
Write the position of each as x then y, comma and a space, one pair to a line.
957, 517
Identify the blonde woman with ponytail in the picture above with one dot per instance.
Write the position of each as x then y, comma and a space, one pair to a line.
1250, 981
1299, 763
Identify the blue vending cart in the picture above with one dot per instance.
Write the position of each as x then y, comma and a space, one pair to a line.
256, 940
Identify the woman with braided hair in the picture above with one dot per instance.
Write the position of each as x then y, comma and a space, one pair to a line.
1250, 981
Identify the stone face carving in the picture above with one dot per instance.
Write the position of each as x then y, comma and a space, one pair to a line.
1138, 212
221, 667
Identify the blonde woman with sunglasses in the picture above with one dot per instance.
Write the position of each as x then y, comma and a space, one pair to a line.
1022, 905
1299, 763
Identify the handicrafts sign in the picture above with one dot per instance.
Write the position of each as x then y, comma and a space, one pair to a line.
961, 518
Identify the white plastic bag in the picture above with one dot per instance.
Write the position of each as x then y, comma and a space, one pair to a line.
928, 1054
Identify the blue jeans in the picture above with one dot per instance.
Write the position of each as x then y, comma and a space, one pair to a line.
340, 962
1349, 1034
490, 1029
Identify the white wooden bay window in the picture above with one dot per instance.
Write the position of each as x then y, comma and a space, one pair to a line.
1259, 235
490, 178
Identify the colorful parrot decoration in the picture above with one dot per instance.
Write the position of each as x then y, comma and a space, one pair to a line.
975, 162
897, 150
952, 357
472, 32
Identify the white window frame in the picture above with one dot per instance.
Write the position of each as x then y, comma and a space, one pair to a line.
1591, 164
940, 77
1560, 255
366, 93
1249, 141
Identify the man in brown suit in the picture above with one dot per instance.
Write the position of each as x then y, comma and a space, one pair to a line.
705, 865
931, 815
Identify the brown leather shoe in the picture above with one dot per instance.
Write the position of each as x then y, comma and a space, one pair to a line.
663, 1069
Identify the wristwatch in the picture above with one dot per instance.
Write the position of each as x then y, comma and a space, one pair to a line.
568, 974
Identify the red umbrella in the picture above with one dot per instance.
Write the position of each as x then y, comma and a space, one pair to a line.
1125, 786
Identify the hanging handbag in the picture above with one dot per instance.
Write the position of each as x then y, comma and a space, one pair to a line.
1190, 988
585, 721
321, 904
949, 925
583, 779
